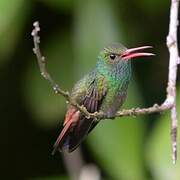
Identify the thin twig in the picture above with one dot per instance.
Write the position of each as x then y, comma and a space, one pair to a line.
169, 102
173, 63
46, 75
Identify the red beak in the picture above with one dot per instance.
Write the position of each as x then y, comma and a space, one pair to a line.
132, 53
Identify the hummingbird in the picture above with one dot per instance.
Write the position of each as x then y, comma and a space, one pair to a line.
102, 89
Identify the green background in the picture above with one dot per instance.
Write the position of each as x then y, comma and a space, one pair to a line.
72, 33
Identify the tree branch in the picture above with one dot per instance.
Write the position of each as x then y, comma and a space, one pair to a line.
173, 63
170, 101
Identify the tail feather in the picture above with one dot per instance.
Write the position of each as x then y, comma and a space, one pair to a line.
73, 133
79, 132
63, 136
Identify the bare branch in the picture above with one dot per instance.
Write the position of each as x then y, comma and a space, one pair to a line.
173, 63
46, 75
134, 111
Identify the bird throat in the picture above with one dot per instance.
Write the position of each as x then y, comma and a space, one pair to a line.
116, 74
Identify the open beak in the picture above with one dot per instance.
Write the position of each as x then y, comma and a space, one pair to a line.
133, 53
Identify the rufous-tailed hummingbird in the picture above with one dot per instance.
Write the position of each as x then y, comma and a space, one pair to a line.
103, 89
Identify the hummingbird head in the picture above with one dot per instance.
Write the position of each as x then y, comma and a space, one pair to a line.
113, 60
116, 53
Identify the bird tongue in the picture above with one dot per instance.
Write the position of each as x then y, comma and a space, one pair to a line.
132, 53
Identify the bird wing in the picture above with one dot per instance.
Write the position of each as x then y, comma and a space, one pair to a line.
88, 92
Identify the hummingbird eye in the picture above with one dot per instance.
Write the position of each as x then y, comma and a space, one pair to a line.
112, 56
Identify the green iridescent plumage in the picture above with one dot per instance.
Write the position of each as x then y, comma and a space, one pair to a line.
103, 89
109, 79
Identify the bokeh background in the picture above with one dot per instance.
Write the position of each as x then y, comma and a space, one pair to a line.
72, 33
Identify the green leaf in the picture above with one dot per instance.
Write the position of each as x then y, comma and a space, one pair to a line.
159, 149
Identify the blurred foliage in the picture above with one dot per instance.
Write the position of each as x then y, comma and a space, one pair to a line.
72, 33
12, 18
92, 31
159, 149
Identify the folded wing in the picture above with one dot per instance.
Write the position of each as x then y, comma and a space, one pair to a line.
88, 92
